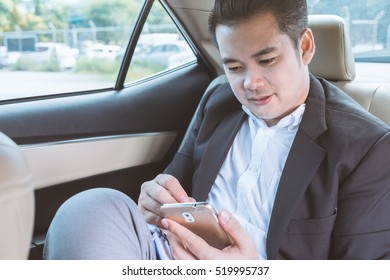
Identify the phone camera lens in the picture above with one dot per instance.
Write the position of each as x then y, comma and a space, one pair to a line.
188, 217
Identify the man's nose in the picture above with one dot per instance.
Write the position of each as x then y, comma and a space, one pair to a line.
254, 79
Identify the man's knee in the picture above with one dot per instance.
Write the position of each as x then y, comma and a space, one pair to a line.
91, 221
98, 200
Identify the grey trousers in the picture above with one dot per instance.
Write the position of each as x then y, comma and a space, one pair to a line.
99, 224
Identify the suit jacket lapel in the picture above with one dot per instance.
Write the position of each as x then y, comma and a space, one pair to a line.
293, 183
303, 161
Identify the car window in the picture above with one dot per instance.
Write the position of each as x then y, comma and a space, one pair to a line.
60, 46
160, 46
368, 23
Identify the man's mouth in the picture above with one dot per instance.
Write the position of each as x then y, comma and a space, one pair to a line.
261, 100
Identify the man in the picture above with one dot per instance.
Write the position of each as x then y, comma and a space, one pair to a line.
293, 165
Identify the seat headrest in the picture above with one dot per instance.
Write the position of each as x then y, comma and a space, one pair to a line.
333, 59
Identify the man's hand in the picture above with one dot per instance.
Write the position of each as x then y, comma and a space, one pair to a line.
163, 189
187, 245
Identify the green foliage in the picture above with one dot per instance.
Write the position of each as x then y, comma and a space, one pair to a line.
117, 13
50, 65
105, 13
42, 13
9, 15
96, 66
109, 69
32, 22
26, 63
22, 64
38, 17
158, 15
137, 72
6, 7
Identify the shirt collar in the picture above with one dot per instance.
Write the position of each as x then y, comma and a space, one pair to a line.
289, 122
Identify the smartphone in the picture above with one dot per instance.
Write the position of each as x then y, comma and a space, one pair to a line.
201, 219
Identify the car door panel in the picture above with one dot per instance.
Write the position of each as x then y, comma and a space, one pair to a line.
94, 156
108, 138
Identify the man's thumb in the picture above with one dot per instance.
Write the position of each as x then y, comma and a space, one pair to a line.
231, 226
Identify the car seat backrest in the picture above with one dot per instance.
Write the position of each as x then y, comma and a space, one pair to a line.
334, 61
17, 203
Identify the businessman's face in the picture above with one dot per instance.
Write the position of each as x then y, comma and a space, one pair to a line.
266, 72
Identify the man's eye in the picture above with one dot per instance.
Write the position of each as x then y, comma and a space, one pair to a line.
234, 69
267, 61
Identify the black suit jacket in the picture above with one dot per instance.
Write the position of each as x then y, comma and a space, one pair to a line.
333, 199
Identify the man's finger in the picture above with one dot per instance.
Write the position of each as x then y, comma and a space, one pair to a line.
233, 228
190, 241
171, 184
179, 252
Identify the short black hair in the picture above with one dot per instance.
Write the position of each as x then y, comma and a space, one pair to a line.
291, 15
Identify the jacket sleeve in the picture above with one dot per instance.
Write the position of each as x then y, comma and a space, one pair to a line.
362, 228
181, 165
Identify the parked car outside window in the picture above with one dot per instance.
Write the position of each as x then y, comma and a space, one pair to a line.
109, 52
160, 54
59, 54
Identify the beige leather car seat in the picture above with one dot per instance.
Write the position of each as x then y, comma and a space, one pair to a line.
16, 202
334, 61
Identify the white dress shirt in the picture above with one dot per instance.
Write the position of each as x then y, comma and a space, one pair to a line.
248, 180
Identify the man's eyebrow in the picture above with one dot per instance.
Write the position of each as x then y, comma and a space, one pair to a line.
261, 52
264, 51
228, 60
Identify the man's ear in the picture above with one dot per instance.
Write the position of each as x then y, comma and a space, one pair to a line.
307, 46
